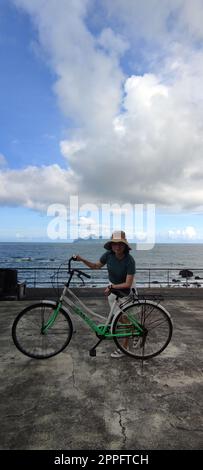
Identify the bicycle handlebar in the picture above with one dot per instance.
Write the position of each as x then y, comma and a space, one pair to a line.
81, 273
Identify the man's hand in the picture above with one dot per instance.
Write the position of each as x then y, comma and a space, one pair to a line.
108, 290
78, 258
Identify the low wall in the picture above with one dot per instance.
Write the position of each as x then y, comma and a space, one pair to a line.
182, 293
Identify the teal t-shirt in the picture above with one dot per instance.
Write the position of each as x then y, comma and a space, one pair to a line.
118, 269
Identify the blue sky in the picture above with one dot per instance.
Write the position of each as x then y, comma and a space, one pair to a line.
101, 100
31, 123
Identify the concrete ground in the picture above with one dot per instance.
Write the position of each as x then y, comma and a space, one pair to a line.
74, 401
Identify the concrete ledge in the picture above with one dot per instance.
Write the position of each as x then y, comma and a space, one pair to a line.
87, 292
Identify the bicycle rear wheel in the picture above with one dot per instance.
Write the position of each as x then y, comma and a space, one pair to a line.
145, 330
27, 331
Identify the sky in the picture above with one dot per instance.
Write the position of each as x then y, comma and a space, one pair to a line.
101, 101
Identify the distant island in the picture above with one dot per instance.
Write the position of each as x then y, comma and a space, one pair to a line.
90, 239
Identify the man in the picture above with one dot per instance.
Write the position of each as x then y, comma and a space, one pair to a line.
120, 266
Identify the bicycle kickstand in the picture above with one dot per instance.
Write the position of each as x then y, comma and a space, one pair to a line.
92, 351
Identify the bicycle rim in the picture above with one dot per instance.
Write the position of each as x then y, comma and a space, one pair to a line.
27, 331
156, 330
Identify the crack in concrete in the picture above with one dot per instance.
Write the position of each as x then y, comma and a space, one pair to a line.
73, 376
183, 428
19, 415
122, 426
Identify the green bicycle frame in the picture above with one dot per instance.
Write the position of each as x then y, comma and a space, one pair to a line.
102, 329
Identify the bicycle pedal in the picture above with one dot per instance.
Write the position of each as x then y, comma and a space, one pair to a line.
92, 352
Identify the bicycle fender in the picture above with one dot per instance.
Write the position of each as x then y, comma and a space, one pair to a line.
151, 302
53, 303
49, 302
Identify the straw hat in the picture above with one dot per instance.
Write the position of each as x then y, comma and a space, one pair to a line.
117, 237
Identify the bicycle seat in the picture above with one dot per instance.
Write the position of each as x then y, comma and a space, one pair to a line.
121, 292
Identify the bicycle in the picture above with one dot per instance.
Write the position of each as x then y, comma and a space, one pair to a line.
140, 327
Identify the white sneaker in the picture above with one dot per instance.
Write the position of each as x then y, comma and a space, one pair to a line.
117, 353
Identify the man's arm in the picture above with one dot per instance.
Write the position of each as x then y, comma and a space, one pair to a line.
125, 285
90, 265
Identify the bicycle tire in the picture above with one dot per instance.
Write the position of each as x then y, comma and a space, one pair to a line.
27, 336
157, 330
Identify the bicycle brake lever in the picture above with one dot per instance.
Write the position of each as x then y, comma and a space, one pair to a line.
78, 275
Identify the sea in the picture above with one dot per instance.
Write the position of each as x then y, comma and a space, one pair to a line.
45, 264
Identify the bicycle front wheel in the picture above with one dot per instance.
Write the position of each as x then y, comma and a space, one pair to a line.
143, 330
28, 336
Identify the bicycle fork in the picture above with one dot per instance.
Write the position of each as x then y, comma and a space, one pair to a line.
51, 320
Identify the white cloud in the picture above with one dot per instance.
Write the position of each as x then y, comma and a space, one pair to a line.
191, 19
188, 233
112, 43
157, 21
87, 77
69, 148
141, 91
36, 188
148, 20
138, 137
154, 149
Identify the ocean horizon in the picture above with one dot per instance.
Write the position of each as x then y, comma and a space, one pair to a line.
164, 260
